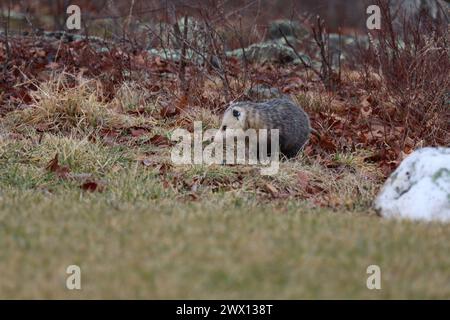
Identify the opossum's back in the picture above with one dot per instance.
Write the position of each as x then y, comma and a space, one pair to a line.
283, 114
290, 119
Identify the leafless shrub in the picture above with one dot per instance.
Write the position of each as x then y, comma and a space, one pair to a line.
328, 73
6, 23
329, 76
201, 40
413, 64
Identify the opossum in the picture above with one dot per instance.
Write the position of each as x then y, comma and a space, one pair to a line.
282, 114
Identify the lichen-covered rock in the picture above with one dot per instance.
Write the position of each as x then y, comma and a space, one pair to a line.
343, 41
288, 28
174, 55
419, 189
261, 91
167, 54
268, 51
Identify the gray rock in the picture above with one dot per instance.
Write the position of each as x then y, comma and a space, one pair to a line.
419, 189
288, 28
174, 55
260, 92
269, 51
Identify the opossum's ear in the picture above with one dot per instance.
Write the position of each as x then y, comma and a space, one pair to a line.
236, 114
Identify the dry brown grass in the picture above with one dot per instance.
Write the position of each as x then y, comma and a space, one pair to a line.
67, 105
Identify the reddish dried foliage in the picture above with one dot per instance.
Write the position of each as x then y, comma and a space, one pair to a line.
391, 116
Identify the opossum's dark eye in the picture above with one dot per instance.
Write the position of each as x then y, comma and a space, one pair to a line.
224, 128
236, 113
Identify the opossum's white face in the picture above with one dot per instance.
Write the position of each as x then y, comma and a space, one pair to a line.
235, 117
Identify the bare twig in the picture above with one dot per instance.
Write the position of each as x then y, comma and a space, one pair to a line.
306, 65
182, 73
128, 21
8, 53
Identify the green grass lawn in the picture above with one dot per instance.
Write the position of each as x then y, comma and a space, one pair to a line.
149, 235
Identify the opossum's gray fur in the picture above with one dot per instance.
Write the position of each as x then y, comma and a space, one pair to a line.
282, 114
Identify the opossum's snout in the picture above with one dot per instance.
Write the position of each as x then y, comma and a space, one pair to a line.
233, 118
220, 134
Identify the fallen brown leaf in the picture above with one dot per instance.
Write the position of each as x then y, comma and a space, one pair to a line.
164, 168
271, 189
92, 186
60, 171
169, 111
159, 140
137, 132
